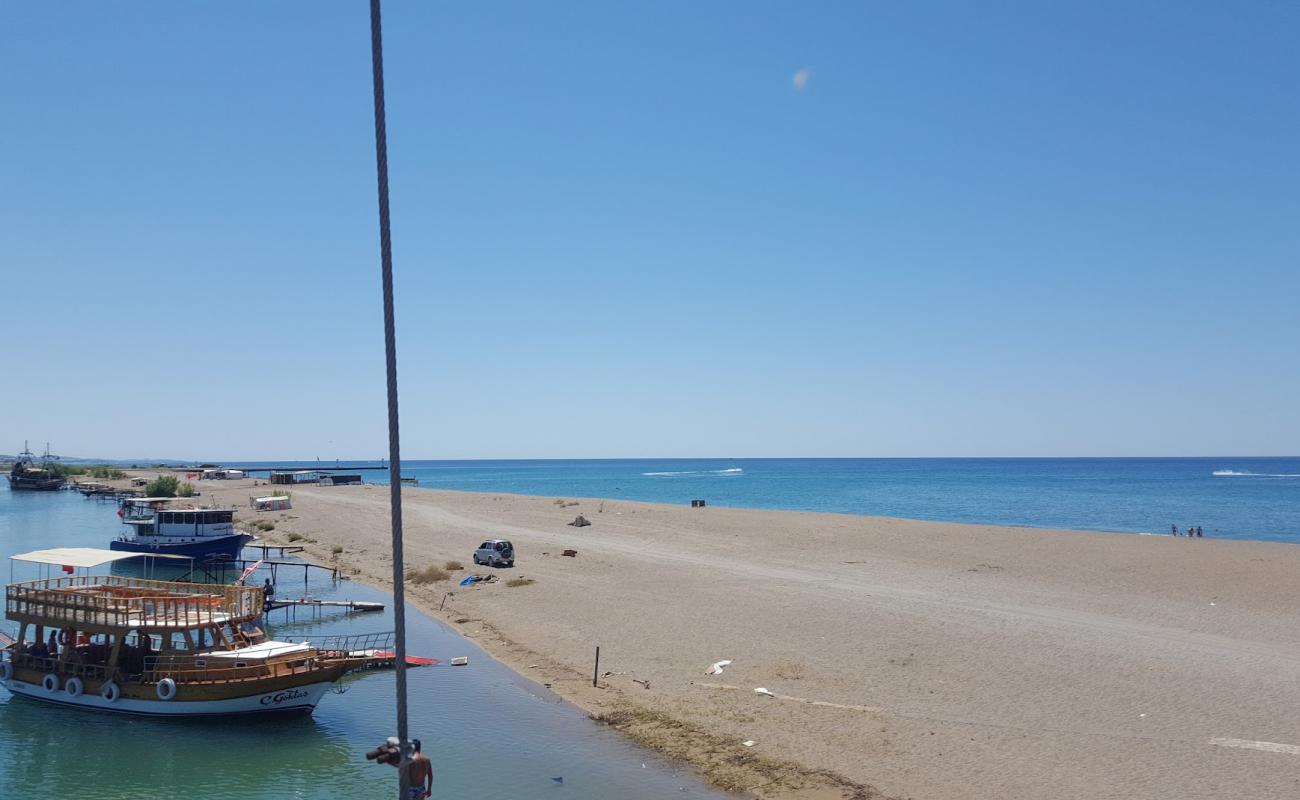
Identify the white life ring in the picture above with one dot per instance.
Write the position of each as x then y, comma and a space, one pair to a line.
166, 689
73, 687
110, 692
51, 683
6, 671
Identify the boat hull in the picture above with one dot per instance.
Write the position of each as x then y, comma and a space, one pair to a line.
292, 700
207, 548
20, 483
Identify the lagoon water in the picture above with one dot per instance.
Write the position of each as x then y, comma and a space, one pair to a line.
489, 733
1234, 498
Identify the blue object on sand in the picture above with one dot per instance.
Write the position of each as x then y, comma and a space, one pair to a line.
468, 580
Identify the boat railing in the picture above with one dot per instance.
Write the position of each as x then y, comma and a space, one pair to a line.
93, 602
352, 646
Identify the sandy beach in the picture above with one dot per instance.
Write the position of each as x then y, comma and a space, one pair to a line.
904, 659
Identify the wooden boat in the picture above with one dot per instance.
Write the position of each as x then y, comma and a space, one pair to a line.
159, 648
26, 476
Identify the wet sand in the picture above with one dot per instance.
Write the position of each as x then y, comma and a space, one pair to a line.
913, 659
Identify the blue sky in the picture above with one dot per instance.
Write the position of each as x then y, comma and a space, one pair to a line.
628, 229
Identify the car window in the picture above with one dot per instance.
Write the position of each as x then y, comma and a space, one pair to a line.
485, 546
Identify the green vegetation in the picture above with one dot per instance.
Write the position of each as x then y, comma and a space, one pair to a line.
164, 486
185, 490
337, 549
428, 575
268, 525
452, 566
514, 582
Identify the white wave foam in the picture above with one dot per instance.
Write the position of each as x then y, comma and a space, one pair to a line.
732, 471
1232, 473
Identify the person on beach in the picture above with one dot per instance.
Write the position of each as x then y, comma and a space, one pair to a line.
1173, 530
1190, 531
420, 774
1199, 534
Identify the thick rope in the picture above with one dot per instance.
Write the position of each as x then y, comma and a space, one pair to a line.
390, 353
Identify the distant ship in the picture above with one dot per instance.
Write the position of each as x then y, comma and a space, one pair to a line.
26, 476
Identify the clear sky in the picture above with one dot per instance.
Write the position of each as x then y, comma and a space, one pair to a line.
653, 229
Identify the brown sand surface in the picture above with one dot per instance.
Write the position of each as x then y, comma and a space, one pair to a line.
926, 660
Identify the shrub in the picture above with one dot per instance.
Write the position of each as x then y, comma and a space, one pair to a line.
514, 582
452, 566
428, 575
268, 525
338, 548
109, 473
163, 486
185, 490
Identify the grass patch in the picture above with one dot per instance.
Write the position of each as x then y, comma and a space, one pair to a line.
337, 549
453, 565
429, 574
789, 670
722, 761
514, 582
185, 490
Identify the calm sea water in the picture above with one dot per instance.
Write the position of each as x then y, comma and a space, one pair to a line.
489, 733
1237, 498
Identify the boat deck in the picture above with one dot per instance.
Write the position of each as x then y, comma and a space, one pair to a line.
108, 602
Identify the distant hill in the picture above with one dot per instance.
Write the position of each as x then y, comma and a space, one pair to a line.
116, 462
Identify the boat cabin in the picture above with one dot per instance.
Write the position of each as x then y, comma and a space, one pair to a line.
148, 518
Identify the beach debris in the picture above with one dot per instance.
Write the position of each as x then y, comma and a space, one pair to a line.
574, 554
764, 692
580, 522
460, 661
644, 684
534, 666
749, 743
718, 667
470, 579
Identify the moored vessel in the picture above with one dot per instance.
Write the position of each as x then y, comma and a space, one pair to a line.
158, 648
25, 475
205, 534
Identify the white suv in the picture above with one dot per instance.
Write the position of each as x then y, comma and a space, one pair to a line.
495, 553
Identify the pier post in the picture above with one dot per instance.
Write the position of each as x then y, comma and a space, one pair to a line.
595, 672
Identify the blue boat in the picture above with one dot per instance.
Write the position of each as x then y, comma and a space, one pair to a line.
204, 534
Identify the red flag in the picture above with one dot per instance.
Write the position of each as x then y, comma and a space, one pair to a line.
121, 513
67, 569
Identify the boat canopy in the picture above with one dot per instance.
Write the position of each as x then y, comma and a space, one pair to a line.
83, 556
265, 649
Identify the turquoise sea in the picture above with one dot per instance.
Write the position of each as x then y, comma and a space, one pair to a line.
1234, 498
489, 733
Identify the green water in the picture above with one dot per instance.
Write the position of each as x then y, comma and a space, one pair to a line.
489, 733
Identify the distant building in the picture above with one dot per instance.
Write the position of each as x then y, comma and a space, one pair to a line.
339, 480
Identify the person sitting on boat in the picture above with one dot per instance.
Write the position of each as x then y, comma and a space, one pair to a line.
420, 774
53, 646
38, 650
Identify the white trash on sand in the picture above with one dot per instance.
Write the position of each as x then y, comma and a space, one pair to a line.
718, 667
